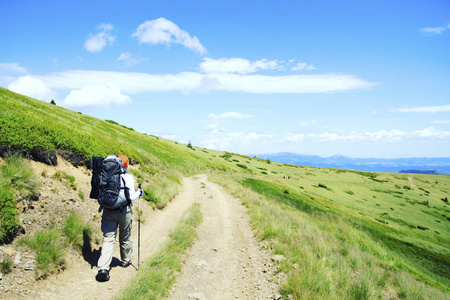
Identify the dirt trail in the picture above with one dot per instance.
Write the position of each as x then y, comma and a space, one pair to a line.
412, 182
226, 262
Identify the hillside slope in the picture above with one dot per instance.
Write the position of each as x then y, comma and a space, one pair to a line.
342, 233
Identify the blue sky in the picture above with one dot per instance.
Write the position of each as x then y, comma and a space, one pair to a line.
354, 78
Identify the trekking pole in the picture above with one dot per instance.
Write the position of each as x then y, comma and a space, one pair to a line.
139, 229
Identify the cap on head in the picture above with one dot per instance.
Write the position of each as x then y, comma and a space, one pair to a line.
124, 159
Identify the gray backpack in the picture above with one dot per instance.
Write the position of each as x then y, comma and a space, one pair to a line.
112, 192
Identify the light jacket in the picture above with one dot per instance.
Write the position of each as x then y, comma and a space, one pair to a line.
129, 184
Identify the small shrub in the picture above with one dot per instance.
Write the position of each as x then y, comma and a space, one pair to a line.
112, 122
323, 185
350, 192
242, 166
226, 155
6, 265
344, 251
425, 191
422, 227
8, 210
264, 172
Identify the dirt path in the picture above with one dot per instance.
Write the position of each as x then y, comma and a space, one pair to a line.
412, 182
225, 263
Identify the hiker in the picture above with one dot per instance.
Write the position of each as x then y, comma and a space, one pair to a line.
120, 218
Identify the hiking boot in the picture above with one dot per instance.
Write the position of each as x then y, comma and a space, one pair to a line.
126, 264
103, 275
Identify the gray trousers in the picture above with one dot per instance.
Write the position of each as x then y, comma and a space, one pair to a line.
111, 220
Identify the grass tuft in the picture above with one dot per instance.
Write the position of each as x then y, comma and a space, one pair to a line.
77, 231
49, 248
50, 245
6, 265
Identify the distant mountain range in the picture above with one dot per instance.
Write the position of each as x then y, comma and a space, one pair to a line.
424, 165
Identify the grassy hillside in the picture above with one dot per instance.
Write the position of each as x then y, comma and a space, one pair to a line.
344, 234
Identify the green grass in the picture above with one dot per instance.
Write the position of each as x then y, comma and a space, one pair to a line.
51, 245
350, 234
6, 265
17, 173
29, 126
335, 255
77, 231
69, 179
16, 177
8, 211
156, 276
50, 253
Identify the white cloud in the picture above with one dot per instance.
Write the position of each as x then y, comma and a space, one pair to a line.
297, 84
293, 137
163, 31
307, 123
236, 65
11, 69
303, 66
226, 140
124, 56
106, 27
442, 122
128, 59
32, 87
97, 95
393, 135
230, 116
97, 42
425, 109
432, 133
195, 82
382, 135
433, 30
217, 139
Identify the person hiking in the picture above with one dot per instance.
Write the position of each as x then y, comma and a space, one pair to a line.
119, 218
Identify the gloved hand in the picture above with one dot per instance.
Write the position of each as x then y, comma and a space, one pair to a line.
141, 192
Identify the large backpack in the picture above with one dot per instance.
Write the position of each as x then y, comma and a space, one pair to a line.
108, 185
